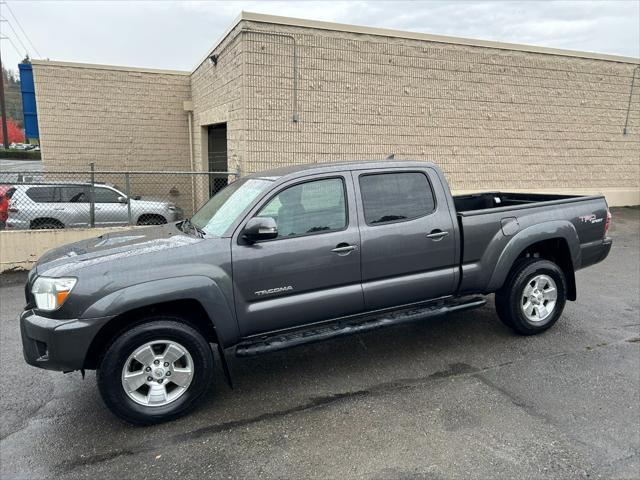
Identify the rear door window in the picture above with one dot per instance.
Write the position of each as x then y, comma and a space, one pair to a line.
395, 197
42, 194
73, 194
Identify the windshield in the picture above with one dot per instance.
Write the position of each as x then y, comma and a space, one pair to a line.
217, 215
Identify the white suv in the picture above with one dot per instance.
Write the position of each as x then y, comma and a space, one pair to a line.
67, 205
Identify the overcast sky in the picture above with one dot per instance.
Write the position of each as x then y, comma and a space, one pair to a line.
176, 35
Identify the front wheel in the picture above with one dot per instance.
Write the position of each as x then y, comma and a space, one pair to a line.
155, 372
533, 297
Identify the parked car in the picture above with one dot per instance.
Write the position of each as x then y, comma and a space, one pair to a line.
6, 191
22, 146
17, 146
294, 256
67, 205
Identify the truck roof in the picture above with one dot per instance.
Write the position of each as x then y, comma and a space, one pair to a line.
311, 168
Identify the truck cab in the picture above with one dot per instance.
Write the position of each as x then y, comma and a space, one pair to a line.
347, 242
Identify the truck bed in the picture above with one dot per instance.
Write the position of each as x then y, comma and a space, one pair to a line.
486, 200
491, 221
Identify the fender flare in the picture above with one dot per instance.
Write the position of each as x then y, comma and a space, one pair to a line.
196, 287
562, 229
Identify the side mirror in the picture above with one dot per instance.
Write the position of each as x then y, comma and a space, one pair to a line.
260, 228
122, 199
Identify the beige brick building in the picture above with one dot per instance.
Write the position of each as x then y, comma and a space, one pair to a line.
277, 91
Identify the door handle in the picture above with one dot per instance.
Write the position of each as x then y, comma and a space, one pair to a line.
343, 249
437, 235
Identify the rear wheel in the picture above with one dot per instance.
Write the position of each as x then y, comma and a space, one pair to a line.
533, 297
155, 372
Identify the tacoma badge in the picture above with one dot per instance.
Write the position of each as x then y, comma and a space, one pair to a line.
274, 290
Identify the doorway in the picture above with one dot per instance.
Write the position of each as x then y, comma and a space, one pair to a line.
217, 148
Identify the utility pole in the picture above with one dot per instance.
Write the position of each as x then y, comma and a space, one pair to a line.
5, 135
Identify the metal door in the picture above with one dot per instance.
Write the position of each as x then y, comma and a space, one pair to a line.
300, 278
407, 237
72, 205
109, 211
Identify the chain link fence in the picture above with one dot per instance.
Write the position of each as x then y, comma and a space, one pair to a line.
51, 200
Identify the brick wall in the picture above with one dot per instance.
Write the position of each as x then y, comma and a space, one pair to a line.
121, 119
218, 96
490, 118
118, 118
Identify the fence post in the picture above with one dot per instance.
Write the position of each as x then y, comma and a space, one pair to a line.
127, 191
92, 196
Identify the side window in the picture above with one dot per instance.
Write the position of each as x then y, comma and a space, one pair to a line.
271, 209
312, 207
42, 194
73, 194
106, 195
392, 197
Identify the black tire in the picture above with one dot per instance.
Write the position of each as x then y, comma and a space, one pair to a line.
162, 327
509, 299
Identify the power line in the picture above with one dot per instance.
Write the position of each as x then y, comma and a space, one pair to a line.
21, 29
4, 37
2, 19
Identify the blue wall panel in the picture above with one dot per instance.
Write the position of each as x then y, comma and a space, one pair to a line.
29, 108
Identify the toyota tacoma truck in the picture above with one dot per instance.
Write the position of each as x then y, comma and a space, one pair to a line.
293, 256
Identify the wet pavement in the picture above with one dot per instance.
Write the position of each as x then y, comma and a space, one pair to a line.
456, 397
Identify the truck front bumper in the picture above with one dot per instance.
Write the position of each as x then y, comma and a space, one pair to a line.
57, 344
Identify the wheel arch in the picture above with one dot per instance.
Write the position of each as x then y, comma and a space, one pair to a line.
196, 318
150, 216
555, 241
197, 299
33, 224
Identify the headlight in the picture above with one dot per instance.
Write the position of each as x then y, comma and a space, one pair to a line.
51, 293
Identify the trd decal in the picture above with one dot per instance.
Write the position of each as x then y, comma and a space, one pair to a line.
274, 290
590, 218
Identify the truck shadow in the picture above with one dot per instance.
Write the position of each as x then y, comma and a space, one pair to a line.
383, 354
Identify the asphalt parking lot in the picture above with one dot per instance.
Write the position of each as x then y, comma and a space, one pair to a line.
458, 397
20, 165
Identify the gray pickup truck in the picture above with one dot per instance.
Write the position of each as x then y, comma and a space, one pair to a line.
293, 256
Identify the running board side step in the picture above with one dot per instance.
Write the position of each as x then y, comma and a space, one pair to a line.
349, 327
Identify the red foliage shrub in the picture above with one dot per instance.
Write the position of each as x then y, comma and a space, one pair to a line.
15, 133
